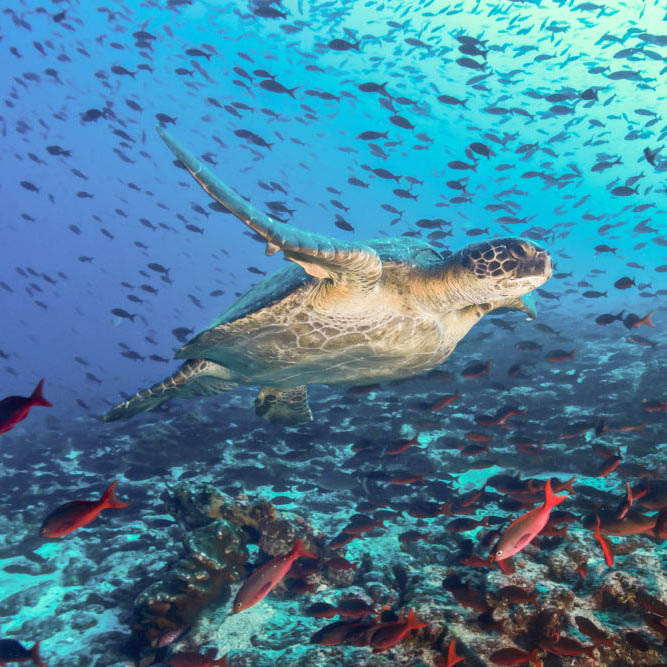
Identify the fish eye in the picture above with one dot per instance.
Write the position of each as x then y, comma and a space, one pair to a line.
499, 553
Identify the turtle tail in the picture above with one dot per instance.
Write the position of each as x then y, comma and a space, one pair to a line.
196, 377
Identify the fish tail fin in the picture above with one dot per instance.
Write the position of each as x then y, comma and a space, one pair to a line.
34, 655
620, 315
550, 498
300, 551
36, 398
109, 499
647, 320
568, 485
412, 622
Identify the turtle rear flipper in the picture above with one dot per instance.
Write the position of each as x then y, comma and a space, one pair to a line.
283, 406
196, 377
347, 264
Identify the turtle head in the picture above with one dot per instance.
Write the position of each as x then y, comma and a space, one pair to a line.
500, 269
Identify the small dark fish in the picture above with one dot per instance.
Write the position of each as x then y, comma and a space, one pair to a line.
459, 165
342, 45
400, 121
164, 119
344, 225
624, 191
470, 63
121, 71
624, 283
119, 312
448, 99
372, 136
608, 318
373, 88
198, 53
158, 268
274, 87
592, 294
383, 173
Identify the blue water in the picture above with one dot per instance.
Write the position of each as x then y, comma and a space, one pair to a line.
566, 98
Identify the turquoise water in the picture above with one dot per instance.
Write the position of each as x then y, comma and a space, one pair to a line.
540, 120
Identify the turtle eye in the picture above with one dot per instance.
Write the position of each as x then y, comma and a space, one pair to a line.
517, 250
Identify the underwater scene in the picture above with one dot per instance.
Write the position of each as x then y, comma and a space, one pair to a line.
333, 333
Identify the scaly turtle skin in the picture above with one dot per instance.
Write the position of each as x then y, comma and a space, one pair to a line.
344, 313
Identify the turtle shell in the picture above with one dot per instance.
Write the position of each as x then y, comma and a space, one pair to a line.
273, 288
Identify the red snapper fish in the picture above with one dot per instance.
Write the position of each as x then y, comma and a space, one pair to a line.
13, 651
523, 530
264, 579
78, 513
190, 659
15, 409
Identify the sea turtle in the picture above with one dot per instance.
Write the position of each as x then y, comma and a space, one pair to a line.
341, 313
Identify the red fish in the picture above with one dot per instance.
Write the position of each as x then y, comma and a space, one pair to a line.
340, 563
470, 498
445, 401
567, 646
610, 464
391, 633
474, 450
474, 561
452, 658
78, 513
190, 659
264, 579
635, 322
597, 635
475, 436
13, 651
513, 656
630, 498
523, 530
654, 406
604, 543
408, 479
556, 356
341, 540
321, 610
528, 446
402, 446
504, 415
630, 427
15, 409
477, 369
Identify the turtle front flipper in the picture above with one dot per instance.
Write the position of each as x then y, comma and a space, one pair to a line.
354, 265
196, 377
283, 406
524, 304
